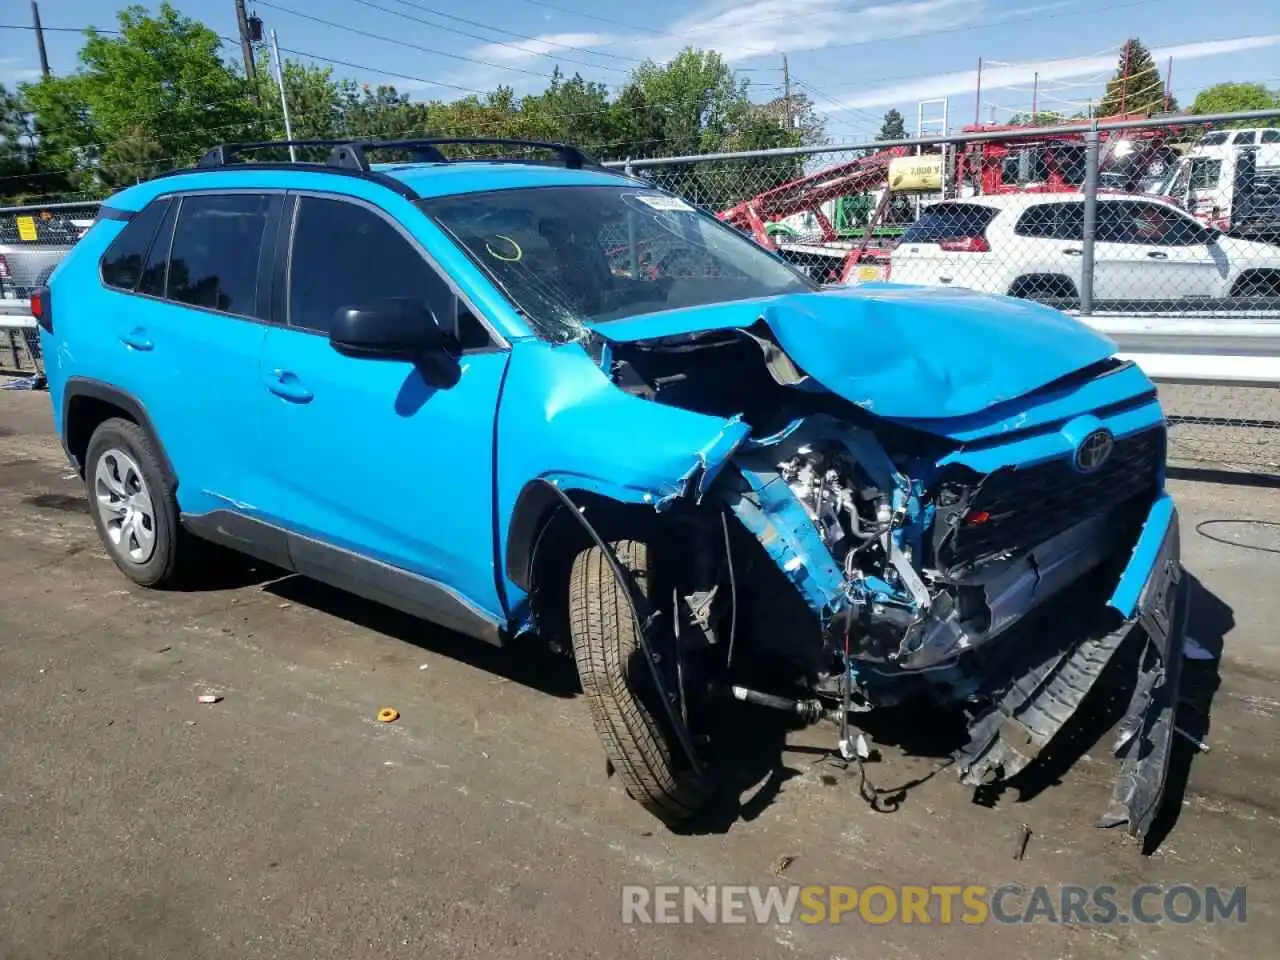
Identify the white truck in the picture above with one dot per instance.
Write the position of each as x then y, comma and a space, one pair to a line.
1231, 182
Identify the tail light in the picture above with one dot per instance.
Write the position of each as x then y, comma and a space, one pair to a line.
976, 244
42, 309
4, 268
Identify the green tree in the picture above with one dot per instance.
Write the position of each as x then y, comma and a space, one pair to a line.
637, 126
315, 100
1043, 118
893, 127
1137, 86
1234, 97
154, 97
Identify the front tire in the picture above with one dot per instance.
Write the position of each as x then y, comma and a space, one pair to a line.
619, 689
133, 506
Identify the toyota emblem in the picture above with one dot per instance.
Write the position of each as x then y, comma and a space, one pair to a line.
1094, 451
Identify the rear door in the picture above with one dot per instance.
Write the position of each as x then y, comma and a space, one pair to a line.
948, 246
185, 334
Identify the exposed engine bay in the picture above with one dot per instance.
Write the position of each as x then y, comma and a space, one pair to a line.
912, 553
907, 563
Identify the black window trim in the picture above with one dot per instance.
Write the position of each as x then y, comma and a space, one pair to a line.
284, 267
264, 273
146, 254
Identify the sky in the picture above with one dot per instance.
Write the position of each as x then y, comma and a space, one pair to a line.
855, 59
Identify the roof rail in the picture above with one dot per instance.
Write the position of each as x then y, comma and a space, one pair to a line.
225, 153
352, 154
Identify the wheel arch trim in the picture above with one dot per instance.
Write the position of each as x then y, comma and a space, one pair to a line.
84, 387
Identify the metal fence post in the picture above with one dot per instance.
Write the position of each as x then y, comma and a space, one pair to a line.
1090, 220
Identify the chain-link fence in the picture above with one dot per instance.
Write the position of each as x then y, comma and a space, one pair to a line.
1161, 219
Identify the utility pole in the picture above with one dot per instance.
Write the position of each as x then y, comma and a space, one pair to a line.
977, 97
1168, 85
246, 48
786, 93
1035, 97
1124, 76
284, 103
44, 56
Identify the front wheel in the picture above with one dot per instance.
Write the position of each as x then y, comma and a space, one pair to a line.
619, 688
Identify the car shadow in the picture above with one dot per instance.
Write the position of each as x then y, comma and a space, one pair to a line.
529, 664
752, 758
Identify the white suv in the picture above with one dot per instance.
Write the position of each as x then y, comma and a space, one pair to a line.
1031, 245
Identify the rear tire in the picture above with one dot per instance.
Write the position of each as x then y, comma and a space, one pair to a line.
619, 689
134, 507
1052, 289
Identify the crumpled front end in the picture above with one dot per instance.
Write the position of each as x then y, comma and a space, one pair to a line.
995, 556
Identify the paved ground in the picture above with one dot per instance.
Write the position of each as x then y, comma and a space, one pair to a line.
284, 821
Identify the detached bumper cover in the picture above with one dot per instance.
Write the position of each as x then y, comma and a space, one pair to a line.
1152, 599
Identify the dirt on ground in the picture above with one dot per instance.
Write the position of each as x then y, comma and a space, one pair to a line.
285, 820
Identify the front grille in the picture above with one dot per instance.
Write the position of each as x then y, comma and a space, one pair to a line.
1025, 507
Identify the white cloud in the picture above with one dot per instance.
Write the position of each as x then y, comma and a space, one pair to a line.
994, 78
11, 74
517, 51
738, 30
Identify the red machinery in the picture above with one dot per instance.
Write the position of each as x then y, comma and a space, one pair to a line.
809, 193
1132, 161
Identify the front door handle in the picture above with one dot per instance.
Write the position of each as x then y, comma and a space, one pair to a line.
1073, 252
285, 384
1157, 255
137, 340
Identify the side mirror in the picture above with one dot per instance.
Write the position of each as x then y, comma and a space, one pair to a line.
398, 328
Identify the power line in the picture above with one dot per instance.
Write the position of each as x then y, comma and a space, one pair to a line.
486, 26
403, 43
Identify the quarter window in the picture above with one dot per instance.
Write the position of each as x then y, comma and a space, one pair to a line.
345, 255
216, 246
123, 261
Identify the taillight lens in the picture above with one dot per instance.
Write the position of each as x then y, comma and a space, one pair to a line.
41, 308
976, 244
4, 268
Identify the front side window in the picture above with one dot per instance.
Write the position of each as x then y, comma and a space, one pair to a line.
122, 264
216, 245
1249, 136
1205, 173
570, 256
1214, 139
345, 255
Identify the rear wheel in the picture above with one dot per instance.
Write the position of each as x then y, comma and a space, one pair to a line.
134, 507
1053, 289
619, 688
1261, 283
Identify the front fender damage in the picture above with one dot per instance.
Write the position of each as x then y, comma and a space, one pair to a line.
1151, 600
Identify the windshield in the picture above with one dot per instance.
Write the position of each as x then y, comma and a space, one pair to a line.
568, 256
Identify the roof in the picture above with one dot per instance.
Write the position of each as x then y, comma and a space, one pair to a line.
423, 179
1020, 201
473, 176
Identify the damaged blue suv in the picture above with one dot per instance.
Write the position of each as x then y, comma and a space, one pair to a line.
534, 399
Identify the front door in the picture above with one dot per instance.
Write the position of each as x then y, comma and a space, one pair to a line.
1150, 253
367, 456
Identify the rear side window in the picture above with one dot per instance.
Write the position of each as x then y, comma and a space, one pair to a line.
1213, 139
949, 221
1052, 221
1271, 136
216, 245
345, 255
1249, 136
153, 274
123, 262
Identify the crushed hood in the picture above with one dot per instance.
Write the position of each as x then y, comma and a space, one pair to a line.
899, 351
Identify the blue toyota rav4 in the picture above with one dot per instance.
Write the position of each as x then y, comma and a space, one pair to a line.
534, 399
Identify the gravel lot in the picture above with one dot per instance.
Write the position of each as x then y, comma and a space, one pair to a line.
285, 821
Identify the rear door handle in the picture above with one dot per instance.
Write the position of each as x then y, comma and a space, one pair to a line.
285, 384
1073, 252
1157, 255
137, 340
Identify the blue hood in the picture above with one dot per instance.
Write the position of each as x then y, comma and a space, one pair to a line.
899, 351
